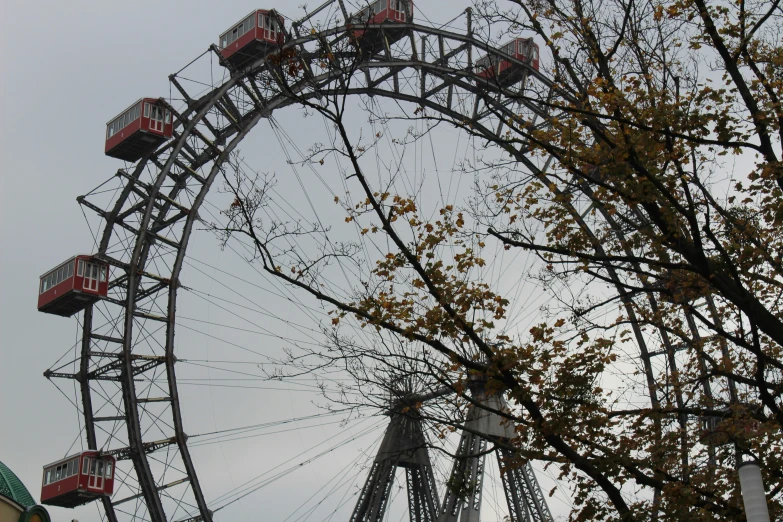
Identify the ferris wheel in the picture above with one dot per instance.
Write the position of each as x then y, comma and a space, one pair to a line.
179, 152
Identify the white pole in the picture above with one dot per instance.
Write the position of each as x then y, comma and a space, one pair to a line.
753, 495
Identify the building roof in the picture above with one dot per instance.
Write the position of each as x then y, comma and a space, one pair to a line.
11, 487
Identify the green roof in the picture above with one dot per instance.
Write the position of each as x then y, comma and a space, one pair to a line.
11, 487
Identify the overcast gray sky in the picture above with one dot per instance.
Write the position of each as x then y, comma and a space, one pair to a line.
65, 69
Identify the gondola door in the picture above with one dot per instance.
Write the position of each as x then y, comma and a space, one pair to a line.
399, 9
269, 26
95, 480
91, 276
156, 118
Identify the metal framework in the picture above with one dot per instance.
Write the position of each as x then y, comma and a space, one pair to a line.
127, 374
403, 446
462, 501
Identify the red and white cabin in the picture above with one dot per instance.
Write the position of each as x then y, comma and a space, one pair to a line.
77, 480
69, 288
252, 38
505, 72
140, 129
380, 12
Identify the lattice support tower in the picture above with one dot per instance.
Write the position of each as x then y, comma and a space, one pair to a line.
462, 501
403, 446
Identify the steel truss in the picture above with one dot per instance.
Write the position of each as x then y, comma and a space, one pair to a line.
127, 376
462, 500
404, 446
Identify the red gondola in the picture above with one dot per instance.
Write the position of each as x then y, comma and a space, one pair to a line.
140, 129
252, 38
380, 12
77, 480
69, 288
506, 72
